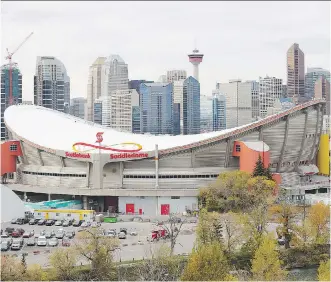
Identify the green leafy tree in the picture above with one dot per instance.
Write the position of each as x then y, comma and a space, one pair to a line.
318, 220
266, 265
63, 262
207, 263
209, 228
236, 191
324, 271
11, 269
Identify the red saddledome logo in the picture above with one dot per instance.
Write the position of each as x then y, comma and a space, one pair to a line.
126, 150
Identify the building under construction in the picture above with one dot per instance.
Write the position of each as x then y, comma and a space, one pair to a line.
15, 80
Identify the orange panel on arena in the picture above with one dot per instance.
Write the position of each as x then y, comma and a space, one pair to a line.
10, 150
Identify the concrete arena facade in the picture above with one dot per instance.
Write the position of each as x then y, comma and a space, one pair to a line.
168, 170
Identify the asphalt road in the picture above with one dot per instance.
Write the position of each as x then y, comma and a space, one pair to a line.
130, 249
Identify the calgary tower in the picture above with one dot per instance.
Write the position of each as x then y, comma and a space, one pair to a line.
195, 59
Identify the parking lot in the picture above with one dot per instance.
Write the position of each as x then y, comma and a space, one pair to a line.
133, 247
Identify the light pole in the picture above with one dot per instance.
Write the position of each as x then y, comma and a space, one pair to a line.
99, 140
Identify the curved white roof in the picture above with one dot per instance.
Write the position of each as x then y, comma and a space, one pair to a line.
58, 131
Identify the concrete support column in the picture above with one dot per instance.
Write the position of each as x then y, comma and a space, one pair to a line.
25, 197
302, 141
156, 166
85, 207
87, 175
227, 153
281, 157
312, 154
40, 159
97, 174
49, 197
261, 133
121, 174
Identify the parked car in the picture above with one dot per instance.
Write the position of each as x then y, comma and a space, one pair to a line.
5, 245
86, 224
17, 244
7, 239
4, 235
77, 223
49, 234
53, 242
125, 230
31, 241
50, 222
58, 223
13, 221
9, 230
41, 233
122, 235
59, 234
66, 223
42, 241
70, 234
41, 222
28, 234
111, 233
65, 242
17, 232
33, 221
22, 220
95, 224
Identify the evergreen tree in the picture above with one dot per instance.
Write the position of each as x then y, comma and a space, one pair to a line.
268, 173
259, 168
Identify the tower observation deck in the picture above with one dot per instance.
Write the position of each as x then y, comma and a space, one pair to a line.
195, 59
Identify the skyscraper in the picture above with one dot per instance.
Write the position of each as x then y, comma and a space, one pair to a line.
156, 108
176, 107
135, 84
51, 84
195, 59
97, 85
178, 88
296, 74
118, 77
206, 113
312, 75
270, 90
219, 111
255, 99
238, 97
16, 78
322, 90
77, 107
176, 75
191, 106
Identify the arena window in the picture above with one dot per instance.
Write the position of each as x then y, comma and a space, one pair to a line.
175, 197
53, 174
237, 148
13, 148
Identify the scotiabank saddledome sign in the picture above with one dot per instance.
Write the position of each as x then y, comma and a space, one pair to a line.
126, 150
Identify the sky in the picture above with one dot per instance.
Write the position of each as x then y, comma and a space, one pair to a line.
243, 40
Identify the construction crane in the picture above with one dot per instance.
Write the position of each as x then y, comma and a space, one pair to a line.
10, 67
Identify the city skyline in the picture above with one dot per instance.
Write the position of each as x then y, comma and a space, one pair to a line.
224, 56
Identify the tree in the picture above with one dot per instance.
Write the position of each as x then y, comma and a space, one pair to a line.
266, 265
207, 263
232, 231
285, 215
63, 262
162, 266
173, 228
254, 226
259, 168
98, 250
209, 228
318, 219
35, 273
11, 269
236, 191
324, 271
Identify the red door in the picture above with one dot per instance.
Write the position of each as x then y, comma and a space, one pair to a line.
165, 209
140, 211
129, 209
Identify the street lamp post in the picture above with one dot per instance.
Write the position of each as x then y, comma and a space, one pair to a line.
99, 140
